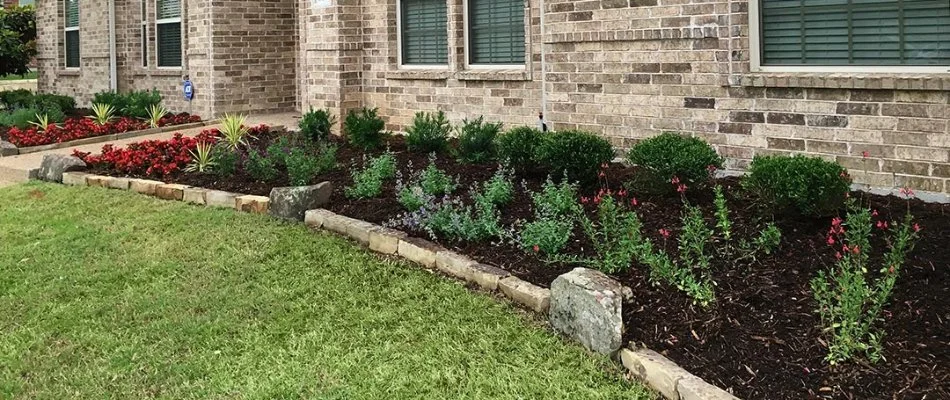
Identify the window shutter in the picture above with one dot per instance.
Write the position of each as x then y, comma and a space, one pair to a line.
424, 25
496, 31
72, 13
168, 9
72, 49
168, 36
855, 32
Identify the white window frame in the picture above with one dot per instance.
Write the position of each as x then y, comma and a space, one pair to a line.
65, 45
181, 36
755, 56
465, 36
399, 63
146, 61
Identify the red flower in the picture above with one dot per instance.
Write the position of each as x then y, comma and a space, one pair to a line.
882, 225
665, 233
908, 192
681, 188
916, 228
622, 193
633, 202
856, 249
874, 213
584, 200
865, 154
675, 180
536, 248
831, 240
838, 255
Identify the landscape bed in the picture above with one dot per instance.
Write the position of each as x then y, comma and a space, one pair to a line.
760, 338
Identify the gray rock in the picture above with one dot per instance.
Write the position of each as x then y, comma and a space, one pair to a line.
8, 149
292, 202
586, 306
53, 166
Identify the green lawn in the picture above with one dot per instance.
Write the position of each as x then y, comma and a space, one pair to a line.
29, 75
109, 294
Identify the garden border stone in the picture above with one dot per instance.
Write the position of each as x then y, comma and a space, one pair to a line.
656, 371
144, 186
117, 183
8, 149
194, 195
220, 198
53, 166
292, 202
586, 305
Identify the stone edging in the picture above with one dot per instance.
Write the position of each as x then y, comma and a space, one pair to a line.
658, 372
114, 136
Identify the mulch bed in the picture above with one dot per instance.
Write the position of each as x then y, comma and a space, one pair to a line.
761, 338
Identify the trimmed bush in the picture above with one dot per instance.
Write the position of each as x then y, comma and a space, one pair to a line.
133, 104
48, 102
517, 146
315, 125
428, 132
670, 155
13, 99
364, 128
578, 154
809, 185
19, 118
477, 140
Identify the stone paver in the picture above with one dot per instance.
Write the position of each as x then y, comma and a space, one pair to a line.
15, 169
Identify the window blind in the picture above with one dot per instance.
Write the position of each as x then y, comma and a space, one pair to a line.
855, 32
168, 9
496, 31
72, 13
72, 49
168, 36
424, 32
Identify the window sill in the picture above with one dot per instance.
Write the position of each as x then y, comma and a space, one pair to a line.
178, 72
70, 72
419, 74
928, 81
493, 75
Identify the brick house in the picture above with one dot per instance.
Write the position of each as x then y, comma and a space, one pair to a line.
750, 76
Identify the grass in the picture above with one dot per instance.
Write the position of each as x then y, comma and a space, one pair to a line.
29, 75
108, 294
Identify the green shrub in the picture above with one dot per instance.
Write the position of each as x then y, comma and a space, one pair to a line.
556, 200
429, 183
364, 128
48, 102
19, 118
428, 132
315, 125
546, 235
452, 220
578, 154
368, 182
670, 155
518, 146
227, 160
260, 167
498, 190
301, 166
809, 185
134, 104
13, 99
477, 140
278, 151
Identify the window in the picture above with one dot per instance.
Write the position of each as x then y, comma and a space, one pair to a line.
168, 32
71, 33
852, 33
144, 32
424, 32
496, 32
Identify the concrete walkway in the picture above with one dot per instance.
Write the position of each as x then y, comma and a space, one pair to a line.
15, 169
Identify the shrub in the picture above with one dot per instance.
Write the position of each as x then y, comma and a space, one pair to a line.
518, 146
202, 158
477, 140
226, 159
849, 303
364, 128
428, 184
260, 167
278, 151
556, 200
19, 98
498, 190
315, 125
18, 47
428, 132
302, 166
615, 235
233, 131
102, 114
577, 154
810, 185
670, 155
368, 183
19, 118
48, 101
546, 235
453, 220
134, 104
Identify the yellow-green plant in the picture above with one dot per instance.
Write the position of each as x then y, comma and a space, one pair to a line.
155, 114
42, 122
102, 113
233, 131
202, 159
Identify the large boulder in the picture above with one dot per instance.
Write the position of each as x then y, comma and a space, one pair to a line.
586, 306
8, 149
292, 202
53, 166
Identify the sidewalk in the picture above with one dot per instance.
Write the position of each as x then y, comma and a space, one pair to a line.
15, 169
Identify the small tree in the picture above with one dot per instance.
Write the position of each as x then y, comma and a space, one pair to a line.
17, 40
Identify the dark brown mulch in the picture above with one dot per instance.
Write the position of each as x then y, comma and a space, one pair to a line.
761, 338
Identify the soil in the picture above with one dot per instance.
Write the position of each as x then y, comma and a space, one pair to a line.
761, 338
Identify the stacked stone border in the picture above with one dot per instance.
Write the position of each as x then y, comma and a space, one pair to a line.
8, 149
655, 370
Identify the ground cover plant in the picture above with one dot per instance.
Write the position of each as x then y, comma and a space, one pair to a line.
152, 294
720, 284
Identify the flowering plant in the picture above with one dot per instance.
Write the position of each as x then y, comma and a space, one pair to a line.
79, 128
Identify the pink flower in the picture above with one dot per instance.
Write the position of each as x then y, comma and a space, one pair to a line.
831, 240
536, 248
882, 225
873, 213
916, 228
845, 249
675, 180
838, 255
865, 154
836, 221
584, 200
622, 193
856, 249
906, 191
681, 188
665, 233
633, 202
